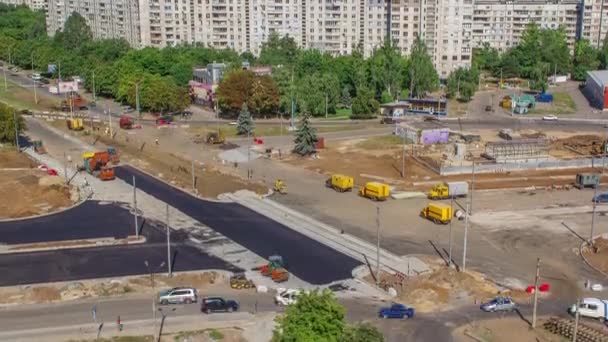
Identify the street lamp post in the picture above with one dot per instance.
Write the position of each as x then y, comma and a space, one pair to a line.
35, 95
151, 272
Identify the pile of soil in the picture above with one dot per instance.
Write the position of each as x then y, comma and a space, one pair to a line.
598, 257
581, 144
12, 159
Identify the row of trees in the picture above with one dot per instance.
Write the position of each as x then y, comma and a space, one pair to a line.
540, 54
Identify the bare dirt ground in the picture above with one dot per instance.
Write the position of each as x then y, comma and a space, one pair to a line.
38, 192
210, 180
504, 330
445, 288
234, 334
598, 257
105, 287
374, 159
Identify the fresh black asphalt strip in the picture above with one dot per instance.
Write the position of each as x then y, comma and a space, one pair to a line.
89, 220
306, 258
100, 262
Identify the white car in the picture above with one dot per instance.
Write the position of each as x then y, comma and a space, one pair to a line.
549, 118
36, 77
286, 297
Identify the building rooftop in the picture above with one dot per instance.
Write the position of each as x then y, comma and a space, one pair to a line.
599, 76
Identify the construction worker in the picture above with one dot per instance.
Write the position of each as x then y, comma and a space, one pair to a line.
156, 141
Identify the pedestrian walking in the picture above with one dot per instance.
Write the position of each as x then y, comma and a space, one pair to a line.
118, 324
156, 142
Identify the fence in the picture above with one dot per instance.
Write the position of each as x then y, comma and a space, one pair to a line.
541, 164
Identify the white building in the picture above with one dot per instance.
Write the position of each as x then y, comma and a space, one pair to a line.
36, 5
594, 21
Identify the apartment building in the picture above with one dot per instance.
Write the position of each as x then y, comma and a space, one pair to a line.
166, 22
36, 5
594, 21
107, 18
501, 23
265, 17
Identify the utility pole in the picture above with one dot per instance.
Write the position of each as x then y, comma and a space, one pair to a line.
65, 168
402, 154
168, 244
293, 104
94, 99
466, 231
378, 245
593, 215
35, 95
137, 99
110, 122
535, 293
135, 208
450, 235
5, 81
576, 318
16, 131
193, 178
472, 188
326, 105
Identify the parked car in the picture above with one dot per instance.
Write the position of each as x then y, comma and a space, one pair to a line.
286, 297
36, 77
178, 295
601, 198
499, 304
396, 311
218, 304
550, 118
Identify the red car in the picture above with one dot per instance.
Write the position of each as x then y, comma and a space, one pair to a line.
162, 122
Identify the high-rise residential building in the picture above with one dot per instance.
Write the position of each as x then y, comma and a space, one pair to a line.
593, 19
107, 18
450, 28
36, 5
501, 23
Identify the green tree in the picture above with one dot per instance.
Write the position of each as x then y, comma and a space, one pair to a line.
486, 58
421, 74
345, 98
538, 78
386, 69
386, 97
287, 88
316, 316
586, 58
244, 123
234, 90
7, 124
529, 48
554, 50
315, 90
509, 65
603, 54
362, 332
264, 97
462, 83
364, 105
278, 50
304, 144
76, 33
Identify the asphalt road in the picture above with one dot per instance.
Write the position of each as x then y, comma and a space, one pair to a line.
306, 258
100, 262
86, 221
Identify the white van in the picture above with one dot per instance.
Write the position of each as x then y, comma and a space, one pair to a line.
36, 77
286, 297
592, 308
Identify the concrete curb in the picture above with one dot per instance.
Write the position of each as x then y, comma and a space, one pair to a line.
580, 252
97, 242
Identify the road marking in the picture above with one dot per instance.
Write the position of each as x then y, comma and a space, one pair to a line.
195, 240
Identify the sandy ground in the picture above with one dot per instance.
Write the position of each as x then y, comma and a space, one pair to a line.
504, 330
58, 292
445, 288
38, 192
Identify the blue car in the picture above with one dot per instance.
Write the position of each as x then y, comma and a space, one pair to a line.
396, 311
601, 198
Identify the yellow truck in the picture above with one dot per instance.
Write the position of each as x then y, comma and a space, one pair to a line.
76, 124
340, 183
437, 212
449, 189
376, 191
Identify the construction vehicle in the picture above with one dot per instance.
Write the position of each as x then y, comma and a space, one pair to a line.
75, 124
280, 187
449, 189
584, 180
74, 102
340, 182
375, 191
38, 147
275, 269
239, 281
216, 137
96, 165
113, 156
125, 122
437, 212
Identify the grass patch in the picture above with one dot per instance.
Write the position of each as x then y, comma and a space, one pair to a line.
562, 104
341, 114
382, 142
214, 334
22, 98
269, 130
